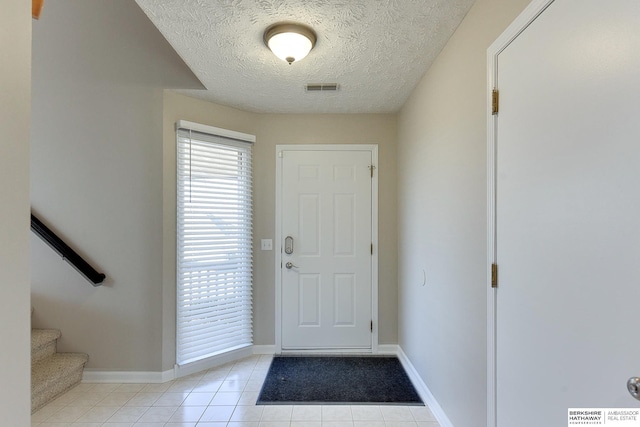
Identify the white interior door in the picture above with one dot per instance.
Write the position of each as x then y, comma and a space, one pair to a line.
568, 213
326, 279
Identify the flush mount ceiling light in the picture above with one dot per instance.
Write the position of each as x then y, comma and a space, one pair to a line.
290, 42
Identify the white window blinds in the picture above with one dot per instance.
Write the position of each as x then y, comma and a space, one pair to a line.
214, 242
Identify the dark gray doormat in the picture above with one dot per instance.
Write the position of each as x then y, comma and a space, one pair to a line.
337, 380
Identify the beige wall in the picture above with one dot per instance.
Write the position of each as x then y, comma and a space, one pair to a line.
442, 217
99, 69
272, 129
275, 129
15, 105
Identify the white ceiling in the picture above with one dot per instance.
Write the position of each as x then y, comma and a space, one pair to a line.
376, 50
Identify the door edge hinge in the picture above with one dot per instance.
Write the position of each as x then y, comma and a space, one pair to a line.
372, 326
371, 248
494, 275
371, 168
495, 101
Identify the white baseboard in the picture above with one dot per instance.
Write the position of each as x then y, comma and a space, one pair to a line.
151, 377
423, 390
212, 362
126, 377
388, 349
264, 349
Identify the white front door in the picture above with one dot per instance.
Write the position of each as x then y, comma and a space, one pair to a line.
326, 240
568, 213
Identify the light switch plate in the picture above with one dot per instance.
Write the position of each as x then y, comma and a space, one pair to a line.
266, 244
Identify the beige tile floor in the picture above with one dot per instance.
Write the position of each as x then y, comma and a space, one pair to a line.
220, 397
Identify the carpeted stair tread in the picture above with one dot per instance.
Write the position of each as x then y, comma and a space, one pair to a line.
43, 343
55, 367
40, 337
54, 375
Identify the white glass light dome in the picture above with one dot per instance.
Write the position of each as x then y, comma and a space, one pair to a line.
290, 42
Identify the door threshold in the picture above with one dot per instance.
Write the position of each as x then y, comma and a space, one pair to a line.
327, 351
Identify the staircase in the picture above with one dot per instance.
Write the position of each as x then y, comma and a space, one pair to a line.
52, 373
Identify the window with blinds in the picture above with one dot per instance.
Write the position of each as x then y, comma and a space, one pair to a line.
214, 241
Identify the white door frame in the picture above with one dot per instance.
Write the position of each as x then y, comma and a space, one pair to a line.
535, 8
373, 149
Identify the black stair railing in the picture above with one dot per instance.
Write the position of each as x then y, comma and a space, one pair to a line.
68, 254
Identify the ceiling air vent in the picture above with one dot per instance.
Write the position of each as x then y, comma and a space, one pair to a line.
321, 87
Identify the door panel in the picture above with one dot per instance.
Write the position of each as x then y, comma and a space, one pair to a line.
309, 304
326, 209
344, 304
568, 213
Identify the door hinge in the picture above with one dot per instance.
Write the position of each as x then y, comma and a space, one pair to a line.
372, 326
494, 275
371, 248
495, 101
371, 168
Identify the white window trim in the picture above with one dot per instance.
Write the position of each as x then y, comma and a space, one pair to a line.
232, 139
212, 130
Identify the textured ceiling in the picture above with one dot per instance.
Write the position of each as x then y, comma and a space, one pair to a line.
376, 50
